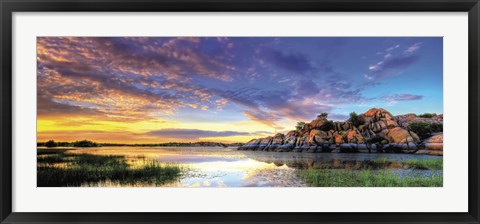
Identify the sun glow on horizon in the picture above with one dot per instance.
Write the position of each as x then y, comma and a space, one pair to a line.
64, 129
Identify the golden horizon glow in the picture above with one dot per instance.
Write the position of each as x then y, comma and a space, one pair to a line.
65, 129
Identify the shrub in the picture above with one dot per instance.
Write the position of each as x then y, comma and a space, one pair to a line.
50, 144
424, 129
300, 125
427, 115
436, 127
355, 119
325, 115
373, 140
327, 126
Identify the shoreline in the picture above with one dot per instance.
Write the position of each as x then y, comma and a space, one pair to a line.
399, 148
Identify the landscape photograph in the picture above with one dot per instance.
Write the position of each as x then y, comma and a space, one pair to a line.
239, 111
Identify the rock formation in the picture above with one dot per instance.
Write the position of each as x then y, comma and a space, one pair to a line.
379, 131
432, 145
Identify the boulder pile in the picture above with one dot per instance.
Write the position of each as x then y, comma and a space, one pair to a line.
378, 131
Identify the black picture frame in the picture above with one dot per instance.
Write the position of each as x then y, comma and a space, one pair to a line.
10, 6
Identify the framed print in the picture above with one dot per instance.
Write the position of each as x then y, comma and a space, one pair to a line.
237, 111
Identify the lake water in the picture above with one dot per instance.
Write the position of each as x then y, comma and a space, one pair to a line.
228, 167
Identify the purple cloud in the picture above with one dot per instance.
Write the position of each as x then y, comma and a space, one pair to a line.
262, 79
306, 88
402, 97
393, 63
412, 49
139, 75
262, 117
303, 101
339, 90
192, 133
291, 61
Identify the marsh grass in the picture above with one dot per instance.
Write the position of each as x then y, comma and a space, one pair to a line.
58, 151
381, 173
422, 164
367, 178
86, 168
426, 164
51, 159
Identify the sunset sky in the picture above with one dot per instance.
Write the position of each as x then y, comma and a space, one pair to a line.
225, 89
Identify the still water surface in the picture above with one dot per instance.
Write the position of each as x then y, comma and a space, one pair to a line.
228, 167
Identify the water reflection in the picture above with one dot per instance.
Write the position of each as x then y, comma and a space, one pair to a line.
228, 167
331, 160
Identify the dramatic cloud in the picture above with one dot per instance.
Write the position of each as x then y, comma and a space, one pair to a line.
263, 117
47, 107
269, 107
140, 78
192, 133
123, 75
402, 97
268, 82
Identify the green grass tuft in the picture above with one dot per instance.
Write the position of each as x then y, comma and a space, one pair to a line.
425, 164
367, 178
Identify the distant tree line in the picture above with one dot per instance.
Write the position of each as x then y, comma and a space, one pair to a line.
178, 144
82, 143
87, 143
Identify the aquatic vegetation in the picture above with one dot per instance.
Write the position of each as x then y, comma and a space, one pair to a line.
427, 164
423, 164
59, 151
382, 176
86, 168
188, 167
368, 178
51, 159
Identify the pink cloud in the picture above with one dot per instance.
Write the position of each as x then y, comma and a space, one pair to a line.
413, 48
